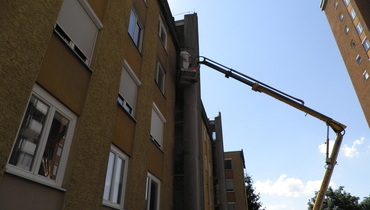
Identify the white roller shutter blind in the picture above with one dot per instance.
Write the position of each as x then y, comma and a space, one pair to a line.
78, 25
157, 125
128, 88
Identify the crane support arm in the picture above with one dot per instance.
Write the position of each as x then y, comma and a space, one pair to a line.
328, 172
261, 87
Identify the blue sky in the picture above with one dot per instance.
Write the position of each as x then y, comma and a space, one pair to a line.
289, 45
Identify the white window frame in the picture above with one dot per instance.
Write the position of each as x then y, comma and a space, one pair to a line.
352, 13
359, 28
148, 196
346, 29
366, 75
366, 44
358, 59
118, 154
32, 174
157, 128
136, 30
341, 16
66, 28
160, 76
128, 106
162, 33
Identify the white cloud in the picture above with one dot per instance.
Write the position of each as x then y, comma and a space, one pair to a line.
287, 187
322, 147
277, 207
349, 151
352, 151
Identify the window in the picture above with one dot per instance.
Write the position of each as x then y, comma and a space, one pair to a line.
359, 28
160, 76
157, 126
128, 89
341, 16
41, 148
353, 44
358, 59
352, 14
366, 44
366, 75
162, 33
231, 206
152, 193
228, 164
336, 4
78, 26
115, 180
229, 185
135, 29
346, 29
346, 2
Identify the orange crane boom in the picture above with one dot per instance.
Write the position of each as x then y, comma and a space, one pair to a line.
258, 86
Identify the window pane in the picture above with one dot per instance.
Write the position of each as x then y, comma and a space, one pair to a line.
366, 44
109, 177
131, 27
153, 195
359, 28
30, 134
228, 164
54, 147
353, 14
160, 77
134, 28
117, 189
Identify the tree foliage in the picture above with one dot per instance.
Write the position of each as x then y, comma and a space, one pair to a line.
253, 197
339, 199
365, 204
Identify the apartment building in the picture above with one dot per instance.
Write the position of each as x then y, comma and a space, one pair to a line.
235, 180
88, 100
96, 112
349, 21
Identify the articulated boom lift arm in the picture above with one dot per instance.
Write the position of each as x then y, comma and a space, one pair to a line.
337, 127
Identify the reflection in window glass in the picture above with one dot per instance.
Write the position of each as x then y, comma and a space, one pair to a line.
30, 134
134, 28
108, 178
54, 146
114, 181
359, 28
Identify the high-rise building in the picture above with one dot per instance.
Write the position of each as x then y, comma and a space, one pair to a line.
235, 181
350, 22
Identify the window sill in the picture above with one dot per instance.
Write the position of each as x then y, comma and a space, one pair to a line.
112, 205
156, 144
34, 178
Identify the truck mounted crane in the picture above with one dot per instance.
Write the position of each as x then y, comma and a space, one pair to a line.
258, 86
